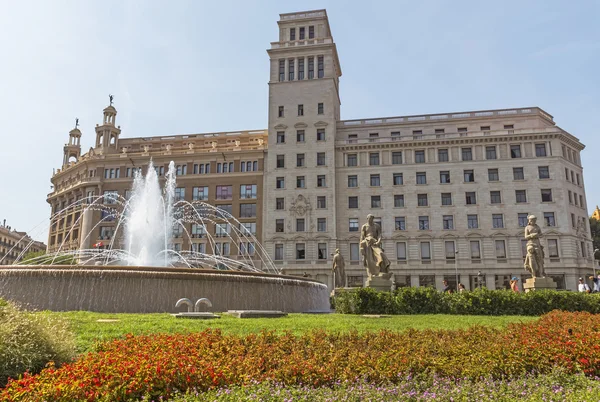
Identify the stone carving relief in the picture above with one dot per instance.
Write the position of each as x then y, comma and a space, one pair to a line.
301, 208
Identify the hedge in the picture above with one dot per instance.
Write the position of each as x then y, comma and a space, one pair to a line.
424, 300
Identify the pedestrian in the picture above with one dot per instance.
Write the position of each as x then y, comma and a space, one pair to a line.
461, 288
514, 284
446, 288
596, 283
583, 287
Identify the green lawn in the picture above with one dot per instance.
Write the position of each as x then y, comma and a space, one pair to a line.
89, 331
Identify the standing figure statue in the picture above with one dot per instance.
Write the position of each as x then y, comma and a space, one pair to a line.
534, 260
374, 260
339, 271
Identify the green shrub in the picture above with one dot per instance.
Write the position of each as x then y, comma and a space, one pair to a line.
478, 302
29, 341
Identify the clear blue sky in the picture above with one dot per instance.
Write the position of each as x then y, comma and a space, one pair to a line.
198, 66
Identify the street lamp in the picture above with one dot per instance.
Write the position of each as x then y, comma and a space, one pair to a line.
594, 257
479, 279
456, 268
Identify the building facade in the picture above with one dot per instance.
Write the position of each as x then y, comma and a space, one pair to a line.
222, 169
14, 245
451, 191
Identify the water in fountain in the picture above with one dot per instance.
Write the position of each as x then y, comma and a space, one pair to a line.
149, 217
145, 229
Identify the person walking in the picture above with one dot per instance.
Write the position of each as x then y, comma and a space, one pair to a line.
446, 288
461, 288
583, 287
596, 281
514, 284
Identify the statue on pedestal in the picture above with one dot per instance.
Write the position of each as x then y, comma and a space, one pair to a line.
374, 260
534, 260
339, 272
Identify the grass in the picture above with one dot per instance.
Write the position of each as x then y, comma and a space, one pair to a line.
88, 331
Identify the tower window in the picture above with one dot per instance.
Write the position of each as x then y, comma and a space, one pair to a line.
281, 111
320, 108
311, 68
311, 32
301, 68
321, 67
291, 69
302, 29
300, 110
292, 33
281, 70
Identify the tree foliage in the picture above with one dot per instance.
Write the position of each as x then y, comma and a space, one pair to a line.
42, 258
595, 229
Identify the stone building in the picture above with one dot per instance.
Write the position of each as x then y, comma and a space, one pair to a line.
222, 169
13, 243
452, 191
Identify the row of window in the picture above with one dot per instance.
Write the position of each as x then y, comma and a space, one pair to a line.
181, 170
448, 222
301, 160
196, 230
439, 132
302, 33
223, 192
320, 110
220, 248
301, 136
301, 181
468, 176
573, 197
443, 155
425, 250
446, 199
303, 69
423, 221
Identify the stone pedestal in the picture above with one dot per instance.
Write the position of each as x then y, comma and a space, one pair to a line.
539, 284
379, 284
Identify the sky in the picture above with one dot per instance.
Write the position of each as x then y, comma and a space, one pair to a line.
201, 66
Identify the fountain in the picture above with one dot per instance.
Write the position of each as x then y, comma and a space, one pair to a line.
141, 270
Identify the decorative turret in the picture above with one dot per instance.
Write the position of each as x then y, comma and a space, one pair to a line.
107, 134
72, 150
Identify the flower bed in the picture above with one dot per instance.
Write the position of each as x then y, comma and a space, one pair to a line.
552, 387
479, 302
162, 365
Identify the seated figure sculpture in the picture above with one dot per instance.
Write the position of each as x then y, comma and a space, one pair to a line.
374, 259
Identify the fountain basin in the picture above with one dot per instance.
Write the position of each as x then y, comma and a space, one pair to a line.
136, 289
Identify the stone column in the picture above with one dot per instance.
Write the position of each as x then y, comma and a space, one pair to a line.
414, 281
490, 281
85, 237
464, 279
438, 282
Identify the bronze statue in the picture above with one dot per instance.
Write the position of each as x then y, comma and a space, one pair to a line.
339, 271
374, 260
76, 122
534, 260
110, 97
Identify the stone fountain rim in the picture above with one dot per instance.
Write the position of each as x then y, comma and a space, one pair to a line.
139, 268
